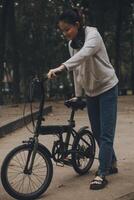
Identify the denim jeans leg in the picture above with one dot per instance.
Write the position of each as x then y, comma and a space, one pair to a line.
93, 108
108, 113
94, 116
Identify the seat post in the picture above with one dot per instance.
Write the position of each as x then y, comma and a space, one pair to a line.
71, 120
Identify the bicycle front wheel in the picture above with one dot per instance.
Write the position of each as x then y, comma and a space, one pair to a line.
26, 185
83, 152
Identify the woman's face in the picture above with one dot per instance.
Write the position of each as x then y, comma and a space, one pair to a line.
70, 31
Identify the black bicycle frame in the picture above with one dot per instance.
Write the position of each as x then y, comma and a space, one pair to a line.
51, 129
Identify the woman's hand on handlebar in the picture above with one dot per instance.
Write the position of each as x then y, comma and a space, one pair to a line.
51, 74
54, 72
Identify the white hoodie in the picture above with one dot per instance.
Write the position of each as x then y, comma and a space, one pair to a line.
91, 66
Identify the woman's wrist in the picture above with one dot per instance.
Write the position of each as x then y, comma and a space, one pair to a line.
62, 67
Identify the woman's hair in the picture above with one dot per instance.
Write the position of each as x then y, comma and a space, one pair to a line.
72, 16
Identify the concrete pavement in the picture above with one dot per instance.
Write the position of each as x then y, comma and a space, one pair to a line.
66, 184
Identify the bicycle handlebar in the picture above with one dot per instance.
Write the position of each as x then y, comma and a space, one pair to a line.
44, 77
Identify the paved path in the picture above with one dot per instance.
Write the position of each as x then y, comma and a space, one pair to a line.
17, 116
66, 184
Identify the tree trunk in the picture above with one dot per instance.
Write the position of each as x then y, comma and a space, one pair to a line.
132, 49
13, 38
101, 17
3, 43
117, 63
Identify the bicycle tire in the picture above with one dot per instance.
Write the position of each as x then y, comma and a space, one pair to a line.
83, 152
7, 171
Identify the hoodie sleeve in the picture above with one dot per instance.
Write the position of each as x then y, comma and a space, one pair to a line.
77, 84
90, 47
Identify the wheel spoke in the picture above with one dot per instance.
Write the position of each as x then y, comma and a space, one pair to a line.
85, 141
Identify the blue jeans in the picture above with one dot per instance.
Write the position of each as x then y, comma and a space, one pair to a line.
102, 112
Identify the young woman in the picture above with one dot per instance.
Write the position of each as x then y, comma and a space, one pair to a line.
94, 74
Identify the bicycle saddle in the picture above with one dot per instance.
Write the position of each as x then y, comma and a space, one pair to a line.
75, 103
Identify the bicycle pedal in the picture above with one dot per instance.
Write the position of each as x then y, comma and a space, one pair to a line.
59, 164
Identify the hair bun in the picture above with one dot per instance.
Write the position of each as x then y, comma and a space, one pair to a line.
77, 11
80, 15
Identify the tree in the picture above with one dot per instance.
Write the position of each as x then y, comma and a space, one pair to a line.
8, 43
32, 43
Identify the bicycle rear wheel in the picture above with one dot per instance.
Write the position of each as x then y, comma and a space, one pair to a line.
83, 152
23, 185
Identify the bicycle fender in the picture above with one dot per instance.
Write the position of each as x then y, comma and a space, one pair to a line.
82, 128
45, 149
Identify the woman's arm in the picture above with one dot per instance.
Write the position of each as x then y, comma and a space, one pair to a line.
54, 72
91, 46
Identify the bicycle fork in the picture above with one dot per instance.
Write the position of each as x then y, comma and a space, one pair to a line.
31, 157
